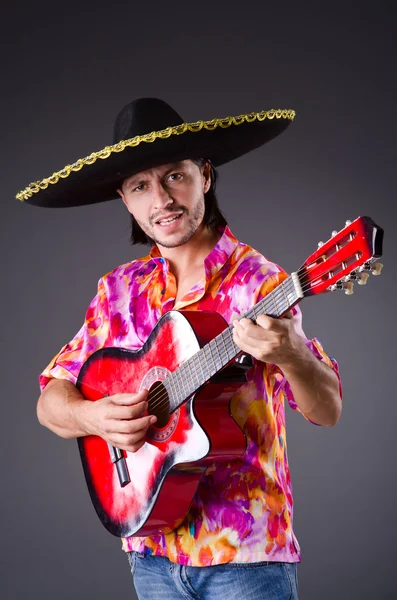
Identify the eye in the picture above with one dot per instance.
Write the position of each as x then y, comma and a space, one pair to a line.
175, 177
139, 188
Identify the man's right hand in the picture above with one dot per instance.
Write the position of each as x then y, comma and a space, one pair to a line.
121, 420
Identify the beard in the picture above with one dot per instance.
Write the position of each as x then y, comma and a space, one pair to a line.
194, 219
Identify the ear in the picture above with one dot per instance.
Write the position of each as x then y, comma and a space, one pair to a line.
207, 177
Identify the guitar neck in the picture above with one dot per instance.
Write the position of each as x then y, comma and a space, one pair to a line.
221, 350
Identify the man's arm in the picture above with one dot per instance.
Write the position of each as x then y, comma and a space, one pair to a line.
314, 384
315, 387
121, 419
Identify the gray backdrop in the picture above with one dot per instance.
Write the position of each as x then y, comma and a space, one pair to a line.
67, 70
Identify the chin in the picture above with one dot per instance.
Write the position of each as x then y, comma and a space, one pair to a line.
174, 240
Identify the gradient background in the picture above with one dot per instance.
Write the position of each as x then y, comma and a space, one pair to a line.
67, 70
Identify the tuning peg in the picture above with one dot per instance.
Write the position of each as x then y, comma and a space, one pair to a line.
335, 286
348, 223
362, 278
348, 287
376, 269
334, 233
320, 244
365, 267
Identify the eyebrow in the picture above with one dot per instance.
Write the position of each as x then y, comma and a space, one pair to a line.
136, 182
176, 165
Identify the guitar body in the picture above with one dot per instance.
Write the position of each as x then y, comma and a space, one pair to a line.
165, 472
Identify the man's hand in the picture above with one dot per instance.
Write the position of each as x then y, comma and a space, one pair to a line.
270, 340
121, 420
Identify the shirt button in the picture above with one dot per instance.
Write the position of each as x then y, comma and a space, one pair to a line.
163, 291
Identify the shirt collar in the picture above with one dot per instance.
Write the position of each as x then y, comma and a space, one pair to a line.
220, 254
214, 261
155, 253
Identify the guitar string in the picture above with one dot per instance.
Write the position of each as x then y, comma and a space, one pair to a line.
279, 294
161, 396
156, 401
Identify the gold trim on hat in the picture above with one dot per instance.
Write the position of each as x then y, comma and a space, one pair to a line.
36, 186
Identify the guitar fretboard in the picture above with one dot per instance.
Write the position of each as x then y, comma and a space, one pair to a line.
221, 350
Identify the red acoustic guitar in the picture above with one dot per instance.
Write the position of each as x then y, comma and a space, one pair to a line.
191, 367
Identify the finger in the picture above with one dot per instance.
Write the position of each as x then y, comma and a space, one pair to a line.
243, 323
129, 399
139, 410
136, 427
264, 321
128, 411
240, 339
243, 345
255, 349
124, 442
142, 422
262, 341
256, 333
269, 323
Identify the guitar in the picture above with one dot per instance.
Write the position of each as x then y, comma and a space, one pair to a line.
191, 367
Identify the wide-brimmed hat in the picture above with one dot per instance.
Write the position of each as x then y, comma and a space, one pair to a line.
149, 133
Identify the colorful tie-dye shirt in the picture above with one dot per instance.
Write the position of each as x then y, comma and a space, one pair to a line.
242, 511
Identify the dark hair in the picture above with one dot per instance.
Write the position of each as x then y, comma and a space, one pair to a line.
213, 217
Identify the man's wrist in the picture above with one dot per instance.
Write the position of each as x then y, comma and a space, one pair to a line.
297, 359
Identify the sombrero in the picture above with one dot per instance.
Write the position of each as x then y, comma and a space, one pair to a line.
148, 132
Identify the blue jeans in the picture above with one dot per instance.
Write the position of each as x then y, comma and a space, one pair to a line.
157, 578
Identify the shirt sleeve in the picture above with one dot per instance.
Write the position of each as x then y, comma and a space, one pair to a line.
317, 349
314, 344
93, 335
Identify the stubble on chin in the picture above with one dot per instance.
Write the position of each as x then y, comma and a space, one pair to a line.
174, 243
171, 241
194, 223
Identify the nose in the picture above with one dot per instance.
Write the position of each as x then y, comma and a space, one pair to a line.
161, 196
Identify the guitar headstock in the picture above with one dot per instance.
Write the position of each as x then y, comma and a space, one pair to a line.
348, 256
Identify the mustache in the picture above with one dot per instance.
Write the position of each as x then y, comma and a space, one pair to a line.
163, 214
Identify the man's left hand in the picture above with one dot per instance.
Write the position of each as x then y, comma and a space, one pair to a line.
270, 340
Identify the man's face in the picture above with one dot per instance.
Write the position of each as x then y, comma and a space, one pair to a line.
167, 202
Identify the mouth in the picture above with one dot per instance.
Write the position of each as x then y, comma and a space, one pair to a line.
166, 221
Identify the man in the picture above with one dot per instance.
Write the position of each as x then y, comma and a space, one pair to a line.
237, 539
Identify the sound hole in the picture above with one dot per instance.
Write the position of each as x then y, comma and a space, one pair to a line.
159, 404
